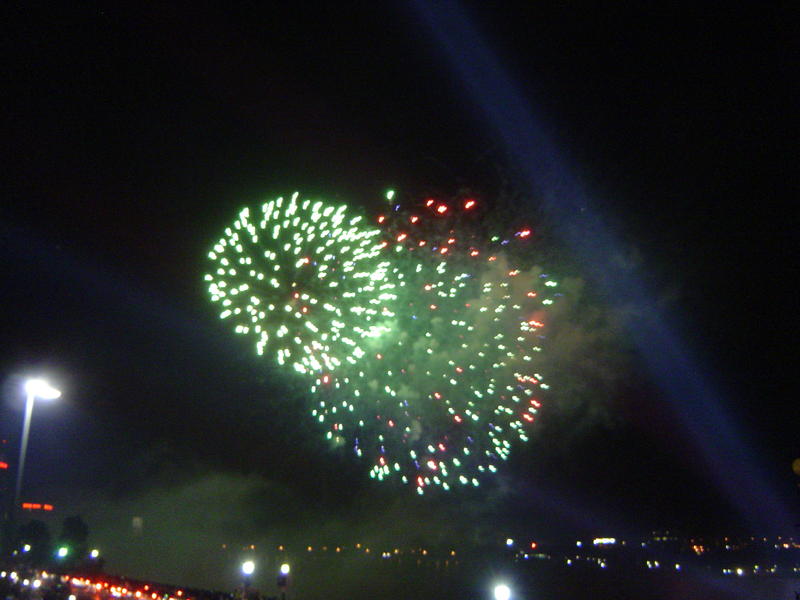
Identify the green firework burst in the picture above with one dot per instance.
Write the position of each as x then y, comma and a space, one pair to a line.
304, 281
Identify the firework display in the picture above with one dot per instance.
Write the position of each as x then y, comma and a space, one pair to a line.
303, 279
426, 362
455, 383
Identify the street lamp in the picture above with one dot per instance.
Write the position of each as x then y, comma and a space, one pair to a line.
248, 568
34, 388
283, 579
502, 592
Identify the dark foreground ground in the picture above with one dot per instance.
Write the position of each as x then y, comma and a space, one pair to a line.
396, 580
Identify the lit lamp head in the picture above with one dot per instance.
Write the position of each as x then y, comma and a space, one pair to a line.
502, 592
248, 567
285, 569
41, 389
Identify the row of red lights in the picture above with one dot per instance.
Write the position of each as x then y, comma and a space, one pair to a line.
124, 591
36, 506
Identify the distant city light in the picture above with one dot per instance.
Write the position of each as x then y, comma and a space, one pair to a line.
285, 568
509, 542
604, 541
62, 551
94, 553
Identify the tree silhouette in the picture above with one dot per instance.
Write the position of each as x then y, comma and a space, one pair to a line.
74, 535
36, 534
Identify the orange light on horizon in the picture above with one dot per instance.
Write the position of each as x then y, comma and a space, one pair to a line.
37, 506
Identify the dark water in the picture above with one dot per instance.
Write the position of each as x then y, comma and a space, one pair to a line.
391, 581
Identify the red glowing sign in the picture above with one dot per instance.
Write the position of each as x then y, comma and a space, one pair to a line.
37, 506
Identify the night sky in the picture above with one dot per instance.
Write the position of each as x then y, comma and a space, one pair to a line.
133, 136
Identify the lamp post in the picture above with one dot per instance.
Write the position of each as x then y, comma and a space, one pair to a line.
34, 388
248, 567
283, 579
